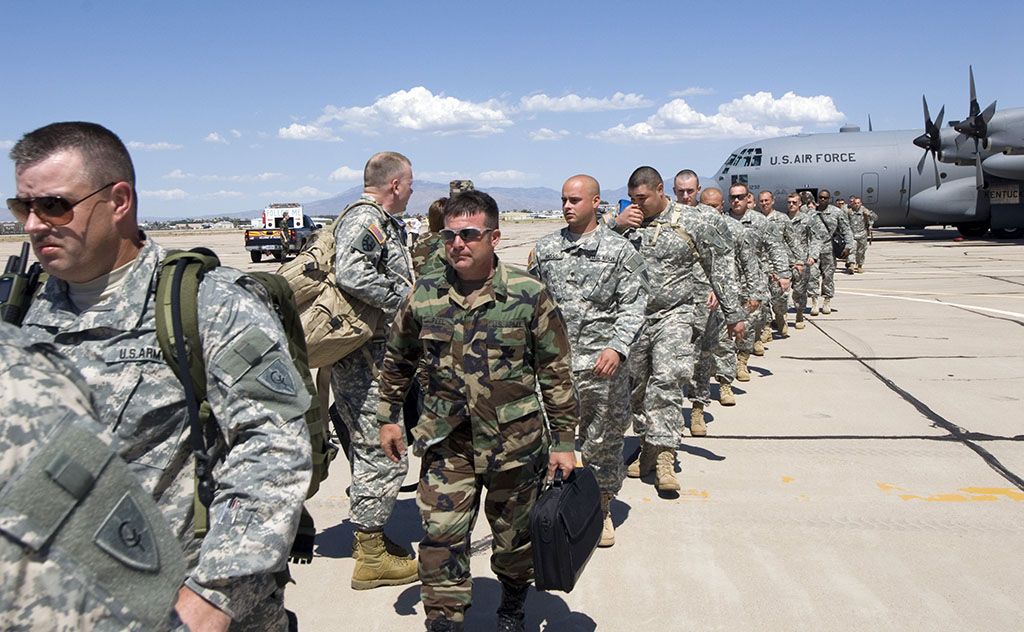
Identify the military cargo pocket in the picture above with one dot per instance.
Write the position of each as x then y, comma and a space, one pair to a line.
506, 350
436, 342
517, 409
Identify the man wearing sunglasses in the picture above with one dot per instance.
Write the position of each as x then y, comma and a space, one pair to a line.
683, 248
831, 221
806, 246
76, 197
599, 281
493, 339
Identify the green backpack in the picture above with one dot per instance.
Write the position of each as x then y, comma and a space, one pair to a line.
177, 330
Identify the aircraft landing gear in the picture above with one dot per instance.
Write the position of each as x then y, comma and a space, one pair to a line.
975, 229
1008, 233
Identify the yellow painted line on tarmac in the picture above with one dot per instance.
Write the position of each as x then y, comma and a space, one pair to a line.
788, 479
1001, 312
962, 495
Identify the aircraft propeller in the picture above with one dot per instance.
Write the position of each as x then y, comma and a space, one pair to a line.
930, 141
975, 126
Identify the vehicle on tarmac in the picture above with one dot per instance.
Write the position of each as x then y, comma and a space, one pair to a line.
282, 230
978, 168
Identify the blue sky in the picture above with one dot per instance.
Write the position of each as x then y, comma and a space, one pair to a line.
230, 105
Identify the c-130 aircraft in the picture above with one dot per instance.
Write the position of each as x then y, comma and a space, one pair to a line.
976, 188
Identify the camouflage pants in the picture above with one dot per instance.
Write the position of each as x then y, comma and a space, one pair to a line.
800, 289
822, 275
716, 356
375, 479
861, 249
448, 496
660, 365
604, 417
755, 323
779, 304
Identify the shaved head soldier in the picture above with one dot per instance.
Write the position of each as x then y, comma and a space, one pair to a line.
776, 310
807, 245
713, 198
862, 219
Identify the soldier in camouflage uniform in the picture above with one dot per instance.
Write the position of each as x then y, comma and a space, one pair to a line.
771, 250
806, 246
861, 220
828, 221
494, 340
428, 253
750, 229
373, 265
599, 282
64, 578
98, 307
718, 354
779, 299
679, 244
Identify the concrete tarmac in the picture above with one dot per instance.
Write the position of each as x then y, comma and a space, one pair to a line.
869, 478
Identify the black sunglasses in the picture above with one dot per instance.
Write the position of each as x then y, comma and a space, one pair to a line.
465, 234
739, 197
52, 209
823, 197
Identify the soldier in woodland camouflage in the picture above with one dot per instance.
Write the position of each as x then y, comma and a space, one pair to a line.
98, 308
861, 220
82, 574
681, 247
598, 280
373, 265
493, 339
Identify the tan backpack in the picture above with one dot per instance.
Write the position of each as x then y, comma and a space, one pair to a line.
336, 324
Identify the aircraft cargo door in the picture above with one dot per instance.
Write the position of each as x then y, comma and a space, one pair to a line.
869, 188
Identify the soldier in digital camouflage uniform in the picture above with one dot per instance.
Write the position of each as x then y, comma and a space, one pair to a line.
806, 246
65, 579
780, 296
718, 352
98, 308
749, 228
428, 253
679, 245
598, 280
828, 221
493, 338
373, 265
771, 250
861, 220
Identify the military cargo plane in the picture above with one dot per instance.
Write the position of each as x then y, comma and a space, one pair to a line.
978, 166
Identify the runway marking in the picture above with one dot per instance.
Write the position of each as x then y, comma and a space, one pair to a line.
1001, 312
969, 495
871, 289
788, 479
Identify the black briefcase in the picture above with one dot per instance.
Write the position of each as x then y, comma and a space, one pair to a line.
565, 526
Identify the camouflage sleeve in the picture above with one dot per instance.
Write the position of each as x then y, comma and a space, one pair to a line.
777, 253
844, 226
532, 265
816, 237
554, 373
755, 281
872, 217
718, 259
793, 245
259, 400
359, 247
400, 360
631, 299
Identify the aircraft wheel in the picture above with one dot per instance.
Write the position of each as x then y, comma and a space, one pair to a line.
256, 256
972, 230
1008, 233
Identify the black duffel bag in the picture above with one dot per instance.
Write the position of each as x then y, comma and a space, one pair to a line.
565, 526
838, 245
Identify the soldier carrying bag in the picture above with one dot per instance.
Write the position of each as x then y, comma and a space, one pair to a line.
565, 527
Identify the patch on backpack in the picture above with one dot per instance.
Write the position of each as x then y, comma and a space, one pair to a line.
278, 378
127, 537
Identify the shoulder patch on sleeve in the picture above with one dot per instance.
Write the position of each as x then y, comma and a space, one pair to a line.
370, 240
278, 378
377, 233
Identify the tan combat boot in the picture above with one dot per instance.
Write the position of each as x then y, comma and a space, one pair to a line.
814, 307
758, 347
766, 335
644, 464
697, 426
826, 307
666, 474
390, 546
608, 530
799, 322
376, 567
860, 269
742, 372
725, 395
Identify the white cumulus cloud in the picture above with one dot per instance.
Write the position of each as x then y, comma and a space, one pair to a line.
548, 134
236, 133
215, 137
298, 131
419, 109
345, 173
576, 103
504, 176
300, 194
692, 91
751, 116
165, 194
159, 146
